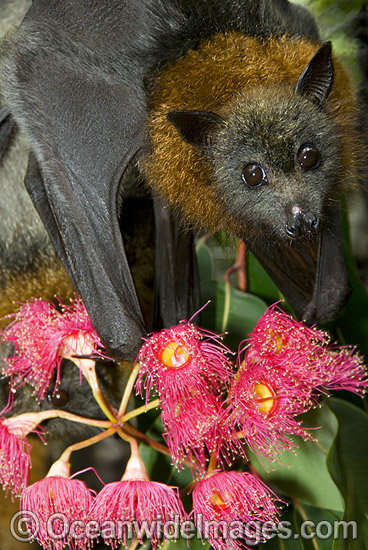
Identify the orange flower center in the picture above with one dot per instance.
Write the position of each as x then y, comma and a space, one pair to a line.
174, 355
266, 398
280, 340
220, 502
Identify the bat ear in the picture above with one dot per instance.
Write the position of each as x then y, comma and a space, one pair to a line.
195, 127
315, 82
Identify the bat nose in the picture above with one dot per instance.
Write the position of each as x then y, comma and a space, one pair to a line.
301, 222
293, 228
311, 222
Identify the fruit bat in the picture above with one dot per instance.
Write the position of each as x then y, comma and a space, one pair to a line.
232, 113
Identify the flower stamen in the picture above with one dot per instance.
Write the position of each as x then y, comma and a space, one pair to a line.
174, 355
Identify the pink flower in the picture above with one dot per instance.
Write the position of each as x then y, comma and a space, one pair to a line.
15, 460
181, 360
57, 502
305, 354
194, 426
144, 505
237, 505
277, 334
343, 369
43, 337
263, 404
286, 366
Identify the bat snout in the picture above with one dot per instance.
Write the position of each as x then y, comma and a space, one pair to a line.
293, 228
311, 222
301, 223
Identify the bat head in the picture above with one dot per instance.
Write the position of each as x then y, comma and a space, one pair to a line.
275, 156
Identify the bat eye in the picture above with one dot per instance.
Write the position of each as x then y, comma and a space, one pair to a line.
254, 175
308, 156
59, 398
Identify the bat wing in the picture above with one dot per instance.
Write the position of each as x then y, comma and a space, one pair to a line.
7, 130
312, 275
176, 277
74, 87
84, 126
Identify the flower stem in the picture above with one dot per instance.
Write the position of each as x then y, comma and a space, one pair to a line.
136, 434
239, 267
305, 517
151, 442
140, 410
226, 312
86, 443
128, 390
134, 544
252, 470
128, 429
135, 468
129, 439
88, 368
56, 413
25, 423
212, 464
77, 348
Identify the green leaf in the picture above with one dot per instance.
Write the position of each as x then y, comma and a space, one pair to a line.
316, 527
353, 322
213, 260
305, 476
181, 544
231, 310
205, 262
259, 282
295, 534
347, 463
158, 465
288, 537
